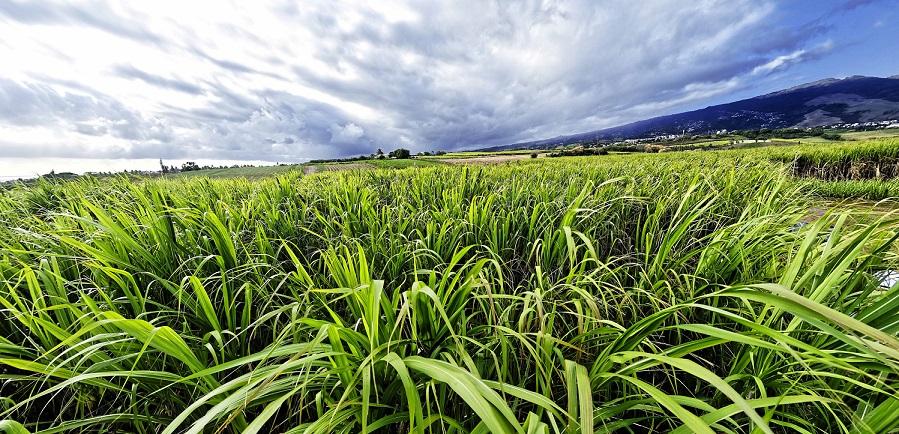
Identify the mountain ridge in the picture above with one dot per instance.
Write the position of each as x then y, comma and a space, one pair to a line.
818, 103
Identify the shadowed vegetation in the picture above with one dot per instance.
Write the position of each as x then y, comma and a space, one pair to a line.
871, 160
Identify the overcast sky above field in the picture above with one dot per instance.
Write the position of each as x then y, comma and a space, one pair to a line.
287, 81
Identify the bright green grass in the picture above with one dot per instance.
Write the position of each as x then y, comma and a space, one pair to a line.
873, 189
472, 154
870, 150
246, 172
838, 163
811, 139
402, 163
674, 292
267, 171
868, 135
703, 143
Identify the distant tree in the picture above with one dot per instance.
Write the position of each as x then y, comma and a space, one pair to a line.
189, 166
400, 154
380, 152
533, 155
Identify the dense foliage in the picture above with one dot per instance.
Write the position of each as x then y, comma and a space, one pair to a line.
618, 294
866, 170
789, 133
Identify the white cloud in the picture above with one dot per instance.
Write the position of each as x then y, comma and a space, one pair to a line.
347, 133
289, 81
801, 55
778, 62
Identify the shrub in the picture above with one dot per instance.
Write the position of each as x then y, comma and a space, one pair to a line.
400, 153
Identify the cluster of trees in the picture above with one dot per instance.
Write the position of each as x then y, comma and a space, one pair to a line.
398, 154
186, 167
578, 151
788, 133
60, 175
190, 166
428, 153
633, 147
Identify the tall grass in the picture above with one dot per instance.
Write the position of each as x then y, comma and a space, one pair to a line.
566, 296
872, 189
876, 159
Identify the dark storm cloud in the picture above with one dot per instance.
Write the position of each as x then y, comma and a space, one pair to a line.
455, 119
93, 115
38, 104
331, 79
227, 106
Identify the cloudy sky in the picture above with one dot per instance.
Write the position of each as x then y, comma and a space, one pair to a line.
289, 81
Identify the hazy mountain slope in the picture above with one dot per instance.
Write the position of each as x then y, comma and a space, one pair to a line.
823, 102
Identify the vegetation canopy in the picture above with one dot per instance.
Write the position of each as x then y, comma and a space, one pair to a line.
681, 292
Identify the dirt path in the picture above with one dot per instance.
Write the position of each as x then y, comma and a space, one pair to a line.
866, 210
308, 170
